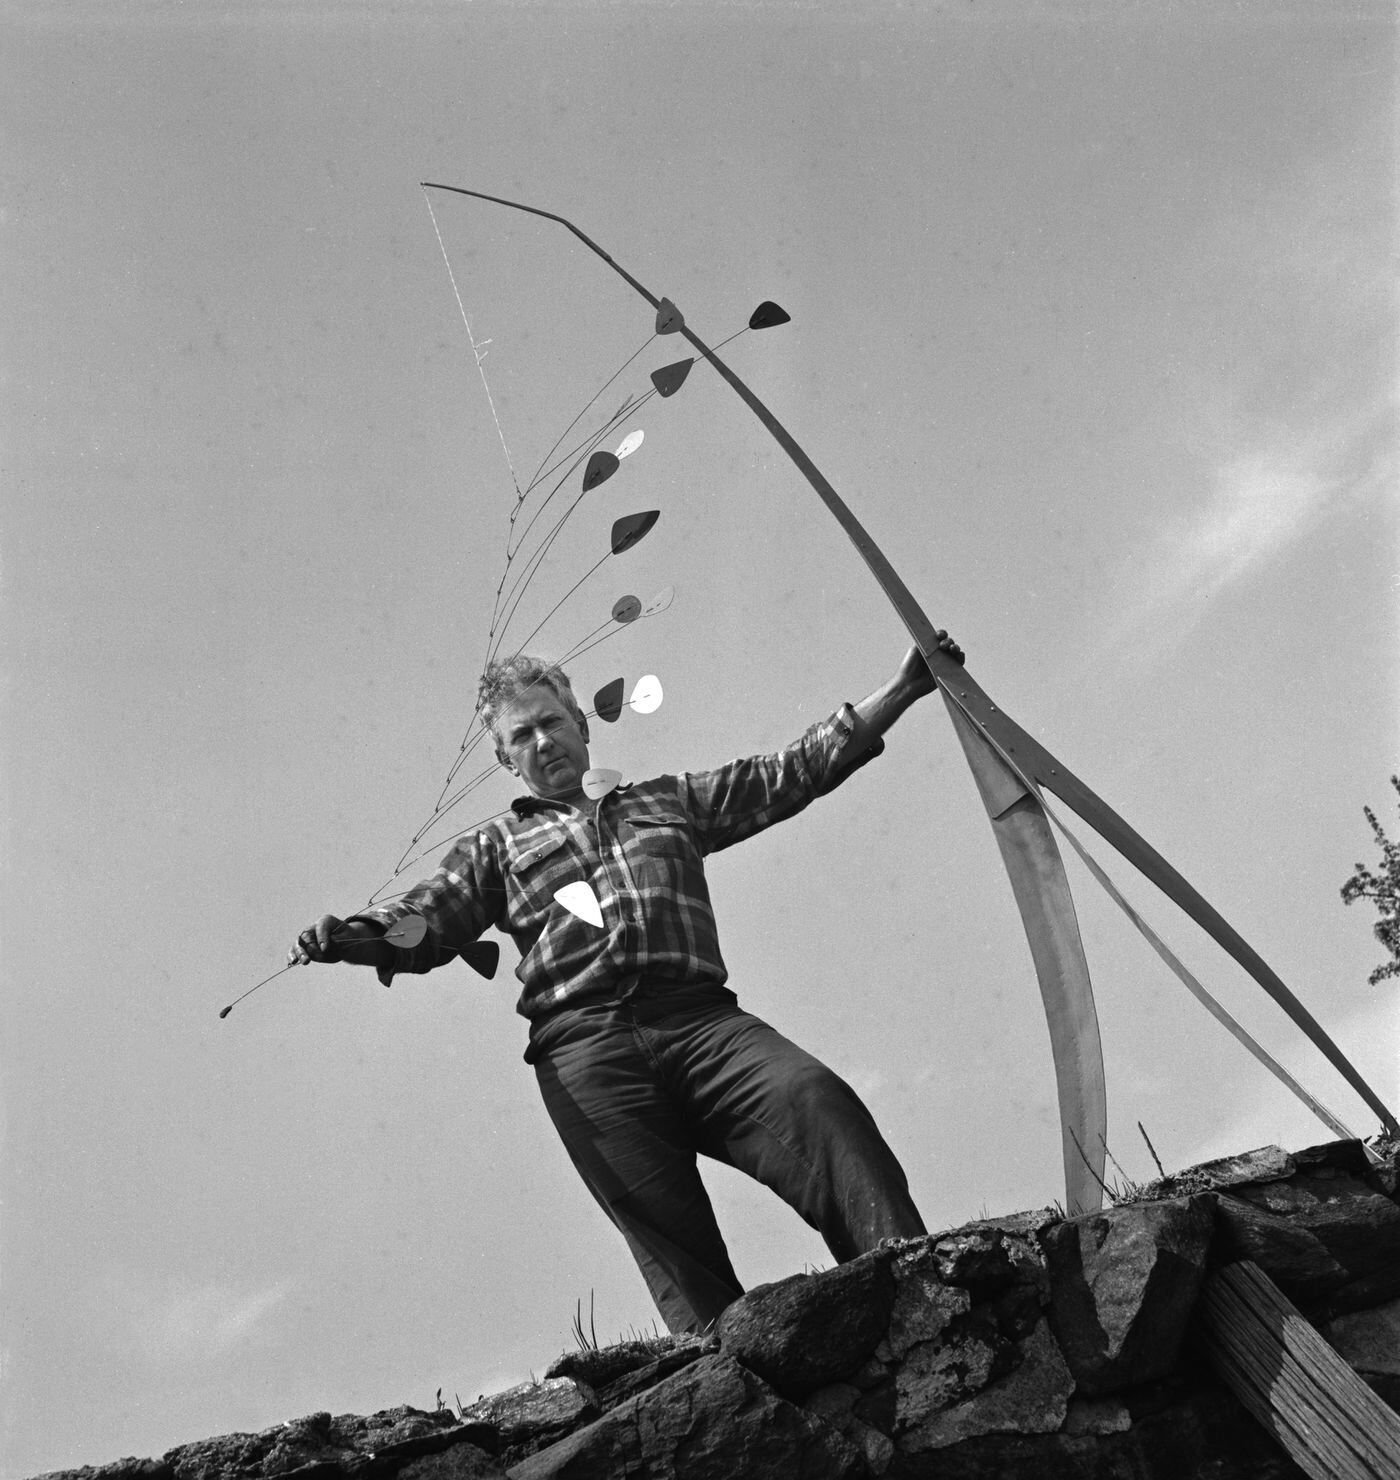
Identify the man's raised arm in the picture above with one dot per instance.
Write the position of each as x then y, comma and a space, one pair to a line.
911, 681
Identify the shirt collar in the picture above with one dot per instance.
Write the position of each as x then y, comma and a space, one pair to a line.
529, 806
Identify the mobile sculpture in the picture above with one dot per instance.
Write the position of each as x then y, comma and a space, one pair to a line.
1012, 770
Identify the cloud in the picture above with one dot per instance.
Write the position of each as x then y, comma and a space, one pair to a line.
179, 1320
207, 1320
1260, 504
1280, 319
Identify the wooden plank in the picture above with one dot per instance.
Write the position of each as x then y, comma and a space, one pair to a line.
1328, 1421
1038, 881
1301, 1386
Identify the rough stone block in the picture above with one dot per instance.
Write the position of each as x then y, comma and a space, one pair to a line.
1201, 1435
1123, 1284
1264, 1164
811, 1330
940, 1374
461, 1462
923, 1305
1342, 1156
1097, 1416
713, 1421
597, 1367
129, 1468
532, 1404
836, 1405
941, 1281
1031, 1399
1327, 1239
1368, 1339
346, 1445
607, 1376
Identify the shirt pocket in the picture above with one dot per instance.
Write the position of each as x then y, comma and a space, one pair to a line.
536, 873
660, 852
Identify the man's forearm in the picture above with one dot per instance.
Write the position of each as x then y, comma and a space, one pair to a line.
910, 681
878, 711
362, 946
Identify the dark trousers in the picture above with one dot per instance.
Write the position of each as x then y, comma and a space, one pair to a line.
637, 1090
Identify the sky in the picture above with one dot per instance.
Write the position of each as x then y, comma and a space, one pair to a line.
1093, 326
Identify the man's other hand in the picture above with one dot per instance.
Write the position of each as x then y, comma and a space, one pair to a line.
317, 943
915, 676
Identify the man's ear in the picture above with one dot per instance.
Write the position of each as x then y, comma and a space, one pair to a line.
506, 761
583, 727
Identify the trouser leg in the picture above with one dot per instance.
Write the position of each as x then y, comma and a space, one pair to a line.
774, 1111
635, 1149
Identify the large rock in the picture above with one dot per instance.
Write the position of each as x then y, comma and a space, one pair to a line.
608, 1375
398, 1442
941, 1281
461, 1462
966, 1318
1202, 1433
1122, 1287
532, 1415
1263, 1164
403, 1442
1368, 1339
598, 1367
1031, 1399
923, 1309
1328, 1240
713, 1421
836, 1405
810, 1330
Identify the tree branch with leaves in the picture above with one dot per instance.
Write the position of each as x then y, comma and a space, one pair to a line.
1383, 889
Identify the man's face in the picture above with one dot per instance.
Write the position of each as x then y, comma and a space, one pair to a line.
544, 744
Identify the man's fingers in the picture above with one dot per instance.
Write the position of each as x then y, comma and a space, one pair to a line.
324, 933
316, 943
949, 645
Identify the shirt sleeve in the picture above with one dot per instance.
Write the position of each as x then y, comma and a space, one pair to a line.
735, 801
462, 899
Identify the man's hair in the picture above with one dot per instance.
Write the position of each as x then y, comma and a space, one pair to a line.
505, 680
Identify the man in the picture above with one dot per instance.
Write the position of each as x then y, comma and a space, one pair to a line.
642, 1054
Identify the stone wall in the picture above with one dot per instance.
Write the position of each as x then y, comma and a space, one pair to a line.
1028, 1346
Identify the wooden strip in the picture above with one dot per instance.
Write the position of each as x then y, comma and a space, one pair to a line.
1188, 980
1306, 1351
1330, 1423
1037, 874
1313, 1445
1288, 1389
1252, 1376
1303, 1431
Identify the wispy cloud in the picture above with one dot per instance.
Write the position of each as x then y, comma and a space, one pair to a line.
174, 1319
1285, 408
1259, 504
205, 1320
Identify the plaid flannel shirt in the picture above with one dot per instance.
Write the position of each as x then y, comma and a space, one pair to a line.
640, 850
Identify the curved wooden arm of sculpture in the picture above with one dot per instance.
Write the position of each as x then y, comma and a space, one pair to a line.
1033, 762
1028, 757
